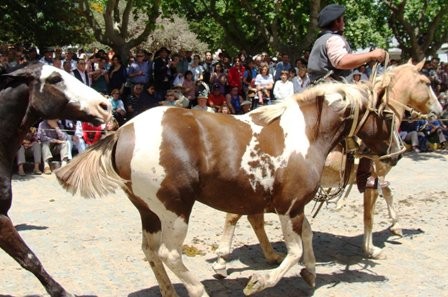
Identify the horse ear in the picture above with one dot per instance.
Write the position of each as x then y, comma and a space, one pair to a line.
21, 73
420, 65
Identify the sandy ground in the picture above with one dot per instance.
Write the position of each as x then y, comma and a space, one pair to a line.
92, 247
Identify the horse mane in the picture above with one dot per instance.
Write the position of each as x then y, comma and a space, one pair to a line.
337, 94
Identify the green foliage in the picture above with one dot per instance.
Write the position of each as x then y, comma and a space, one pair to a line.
43, 23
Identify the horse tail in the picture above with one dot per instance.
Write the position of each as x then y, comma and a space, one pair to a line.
92, 173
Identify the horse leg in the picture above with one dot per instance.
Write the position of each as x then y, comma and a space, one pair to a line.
370, 197
293, 241
13, 244
395, 228
225, 244
309, 272
173, 235
151, 242
257, 223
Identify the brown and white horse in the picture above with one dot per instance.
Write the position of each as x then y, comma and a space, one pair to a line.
403, 87
28, 94
270, 159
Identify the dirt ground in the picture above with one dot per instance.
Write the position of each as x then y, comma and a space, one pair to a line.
92, 247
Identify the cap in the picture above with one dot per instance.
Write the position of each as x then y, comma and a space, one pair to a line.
330, 13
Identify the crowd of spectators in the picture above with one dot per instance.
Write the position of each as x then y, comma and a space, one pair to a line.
212, 82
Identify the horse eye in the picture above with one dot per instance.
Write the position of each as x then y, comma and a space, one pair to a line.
54, 78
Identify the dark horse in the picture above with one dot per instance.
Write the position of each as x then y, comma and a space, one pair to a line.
270, 159
27, 95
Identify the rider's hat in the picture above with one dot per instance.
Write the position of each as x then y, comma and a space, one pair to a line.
330, 13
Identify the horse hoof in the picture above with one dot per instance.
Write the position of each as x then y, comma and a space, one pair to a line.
220, 270
396, 231
376, 254
256, 284
308, 277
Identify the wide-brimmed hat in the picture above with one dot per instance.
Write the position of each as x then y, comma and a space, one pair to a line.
330, 13
164, 49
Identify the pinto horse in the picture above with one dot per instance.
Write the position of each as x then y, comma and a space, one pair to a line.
404, 88
28, 94
270, 159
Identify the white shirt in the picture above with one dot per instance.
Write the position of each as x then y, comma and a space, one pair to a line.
283, 90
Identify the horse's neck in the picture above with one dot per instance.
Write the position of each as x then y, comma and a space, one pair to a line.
15, 118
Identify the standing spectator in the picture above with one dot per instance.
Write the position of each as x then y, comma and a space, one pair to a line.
161, 75
219, 78
30, 144
196, 68
207, 65
281, 66
54, 141
235, 75
249, 75
283, 88
81, 73
138, 71
69, 58
117, 75
264, 83
99, 80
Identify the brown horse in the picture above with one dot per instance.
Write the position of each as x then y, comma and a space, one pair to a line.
270, 159
26, 95
402, 87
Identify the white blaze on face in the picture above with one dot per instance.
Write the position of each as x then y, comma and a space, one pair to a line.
74, 90
294, 128
433, 102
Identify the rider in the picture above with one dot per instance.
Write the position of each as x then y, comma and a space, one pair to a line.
331, 51
331, 58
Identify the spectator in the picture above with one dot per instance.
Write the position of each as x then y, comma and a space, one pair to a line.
73, 129
134, 102
207, 65
189, 86
234, 101
215, 99
162, 78
30, 144
282, 66
235, 75
301, 81
264, 84
47, 57
436, 132
411, 133
118, 109
117, 75
283, 88
99, 80
219, 78
54, 141
170, 98
196, 68
138, 71
81, 73
202, 102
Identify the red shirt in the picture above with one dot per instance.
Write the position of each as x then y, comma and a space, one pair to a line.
216, 100
235, 77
